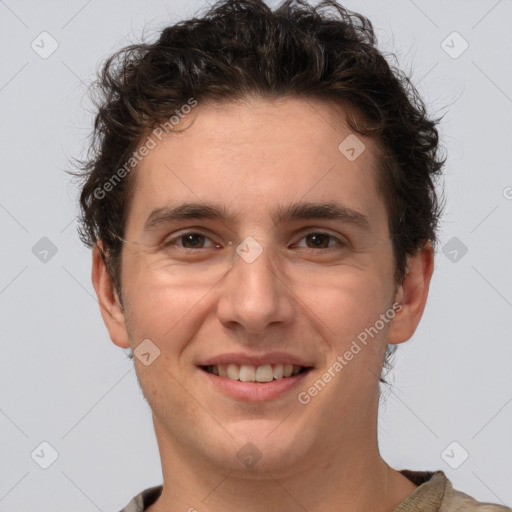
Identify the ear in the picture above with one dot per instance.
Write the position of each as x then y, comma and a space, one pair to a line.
110, 305
412, 295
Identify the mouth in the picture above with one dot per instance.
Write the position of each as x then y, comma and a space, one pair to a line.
258, 374
247, 377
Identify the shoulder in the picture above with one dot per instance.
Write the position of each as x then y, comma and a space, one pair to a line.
143, 500
435, 493
459, 501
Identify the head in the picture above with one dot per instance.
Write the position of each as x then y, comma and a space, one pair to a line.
254, 111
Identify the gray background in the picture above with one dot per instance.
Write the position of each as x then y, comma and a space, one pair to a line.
61, 379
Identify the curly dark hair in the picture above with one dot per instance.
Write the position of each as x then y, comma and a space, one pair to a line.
240, 48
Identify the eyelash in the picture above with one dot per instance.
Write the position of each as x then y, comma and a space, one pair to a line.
171, 242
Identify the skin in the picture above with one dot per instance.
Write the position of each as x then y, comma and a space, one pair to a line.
250, 157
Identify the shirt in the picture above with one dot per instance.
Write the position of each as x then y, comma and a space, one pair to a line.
434, 494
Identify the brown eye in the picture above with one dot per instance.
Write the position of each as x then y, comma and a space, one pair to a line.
189, 240
192, 240
318, 240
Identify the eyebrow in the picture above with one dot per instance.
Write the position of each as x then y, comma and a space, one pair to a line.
294, 211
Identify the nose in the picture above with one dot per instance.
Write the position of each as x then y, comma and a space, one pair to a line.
254, 295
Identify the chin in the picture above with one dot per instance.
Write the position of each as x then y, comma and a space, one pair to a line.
261, 447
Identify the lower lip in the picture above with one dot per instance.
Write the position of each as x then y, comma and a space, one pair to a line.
255, 391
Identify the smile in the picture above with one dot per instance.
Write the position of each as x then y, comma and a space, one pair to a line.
251, 373
250, 383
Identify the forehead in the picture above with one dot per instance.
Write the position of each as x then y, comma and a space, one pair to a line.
255, 152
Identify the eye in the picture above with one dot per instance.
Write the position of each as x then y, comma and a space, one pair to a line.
189, 240
320, 240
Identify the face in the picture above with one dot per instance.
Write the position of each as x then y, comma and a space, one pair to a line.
281, 262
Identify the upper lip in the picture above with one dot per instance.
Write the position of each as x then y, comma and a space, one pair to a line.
256, 360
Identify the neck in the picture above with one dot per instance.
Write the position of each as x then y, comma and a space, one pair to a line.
350, 478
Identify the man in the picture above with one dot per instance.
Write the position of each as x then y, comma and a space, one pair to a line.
262, 209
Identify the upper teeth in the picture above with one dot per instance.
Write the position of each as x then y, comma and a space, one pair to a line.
250, 373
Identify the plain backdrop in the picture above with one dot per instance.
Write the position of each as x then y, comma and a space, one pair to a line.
64, 383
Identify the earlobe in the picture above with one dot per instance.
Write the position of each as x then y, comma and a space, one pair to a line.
412, 295
110, 305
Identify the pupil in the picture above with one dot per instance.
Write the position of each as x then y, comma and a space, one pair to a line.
192, 238
317, 238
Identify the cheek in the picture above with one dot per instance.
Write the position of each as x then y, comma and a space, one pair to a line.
344, 304
165, 296
163, 312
